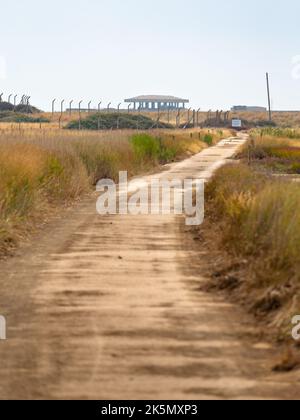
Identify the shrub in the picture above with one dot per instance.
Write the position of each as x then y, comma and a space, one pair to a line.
208, 139
261, 220
115, 120
38, 173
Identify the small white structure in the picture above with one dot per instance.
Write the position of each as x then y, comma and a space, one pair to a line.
236, 123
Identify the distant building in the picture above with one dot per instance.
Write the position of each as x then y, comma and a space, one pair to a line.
244, 108
155, 102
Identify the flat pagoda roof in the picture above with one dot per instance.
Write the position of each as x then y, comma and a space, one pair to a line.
157, 98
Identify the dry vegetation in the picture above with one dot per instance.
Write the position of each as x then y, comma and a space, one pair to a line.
256, 216
280, 118
276, 150
42, 169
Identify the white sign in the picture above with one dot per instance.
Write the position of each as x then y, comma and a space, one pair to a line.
236, 123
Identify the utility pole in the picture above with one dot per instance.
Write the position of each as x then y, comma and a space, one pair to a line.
79, 107
70, 107
27, 104
53, 105
61, 111
269, 97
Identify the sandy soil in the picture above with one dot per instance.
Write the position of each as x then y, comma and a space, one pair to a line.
110, 308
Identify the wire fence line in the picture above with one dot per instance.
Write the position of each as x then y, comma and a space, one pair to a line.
181, 118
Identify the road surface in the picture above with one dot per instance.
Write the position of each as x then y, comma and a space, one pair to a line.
109, 308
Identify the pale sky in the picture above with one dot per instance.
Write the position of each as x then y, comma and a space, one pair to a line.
214, 53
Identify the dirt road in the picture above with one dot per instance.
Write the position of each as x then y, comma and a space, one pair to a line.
109, 308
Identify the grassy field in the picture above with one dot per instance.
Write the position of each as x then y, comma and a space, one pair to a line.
202, 119
275, 150
258, 223
282, 119
41, 170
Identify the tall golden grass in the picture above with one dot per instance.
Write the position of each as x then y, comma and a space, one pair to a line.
43, 169
260, 220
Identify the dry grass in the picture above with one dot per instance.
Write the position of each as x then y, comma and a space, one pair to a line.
41, 170
280, 118
260, 222
262, 218
283, 133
